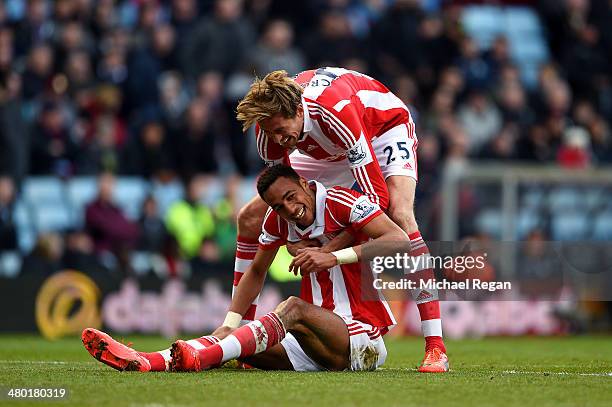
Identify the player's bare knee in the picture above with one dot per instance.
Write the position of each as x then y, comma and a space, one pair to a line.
291, 311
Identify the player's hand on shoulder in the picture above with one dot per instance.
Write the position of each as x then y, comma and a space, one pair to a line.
222, 331
312, 260
293, 248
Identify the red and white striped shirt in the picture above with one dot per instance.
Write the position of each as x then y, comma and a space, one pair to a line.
343, 112
338, 289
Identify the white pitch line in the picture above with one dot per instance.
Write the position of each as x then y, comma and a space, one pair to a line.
526, 372
42, 362
605, 374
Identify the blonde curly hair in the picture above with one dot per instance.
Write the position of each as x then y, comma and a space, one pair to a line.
275, 93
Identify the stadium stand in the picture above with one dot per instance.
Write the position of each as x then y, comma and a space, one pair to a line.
87, 90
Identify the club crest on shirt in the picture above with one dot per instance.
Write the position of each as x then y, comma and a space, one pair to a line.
361, 210
356, 154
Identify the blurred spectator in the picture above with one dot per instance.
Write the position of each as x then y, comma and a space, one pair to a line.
72, 37
210, 92
477, 72
79, 72
480, 119
174, 98
190, 222
503, 145
149, 18
113, 67
442, 105
8, 229
275, 51
437, 51
575, 152
225, 229
148, 154
105, 222
79, 252
195, 142
6, 49
219, 42
395, 38
14, 133
34, 27
104, 18
45, 258
513, 105
153, 231
498, 56
53, 149
146, 64
184, 15
38, 72
584, 114
332, 42
538, 267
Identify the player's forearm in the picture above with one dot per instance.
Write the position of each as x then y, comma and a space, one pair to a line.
247, 290
380, 230
354, 254
344, 239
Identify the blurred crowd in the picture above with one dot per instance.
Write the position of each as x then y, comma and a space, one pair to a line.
149, 87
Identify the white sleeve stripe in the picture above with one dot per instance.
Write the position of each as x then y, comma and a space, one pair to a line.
340, 105
332, 216
349, 138
337, 191
340, 202
411, 132
367, 185
339, 122
366, 177
380, 100
332, 126
341, 192
341, 199
341, 127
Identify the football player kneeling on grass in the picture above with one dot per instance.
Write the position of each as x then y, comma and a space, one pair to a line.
331, 326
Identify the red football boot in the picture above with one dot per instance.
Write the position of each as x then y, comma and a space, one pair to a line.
184, 357
435, 361
112, 353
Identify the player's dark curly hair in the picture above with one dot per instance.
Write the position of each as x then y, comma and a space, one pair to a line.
271, 174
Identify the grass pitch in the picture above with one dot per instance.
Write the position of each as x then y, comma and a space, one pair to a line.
489, 372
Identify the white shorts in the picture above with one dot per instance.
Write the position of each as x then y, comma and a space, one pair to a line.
395, 151
368, 351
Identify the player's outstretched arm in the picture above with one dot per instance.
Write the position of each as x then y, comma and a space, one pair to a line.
247, 290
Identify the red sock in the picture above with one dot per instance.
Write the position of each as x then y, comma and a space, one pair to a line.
250, 339
427, 300
160, 360
245, 253
157, 361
